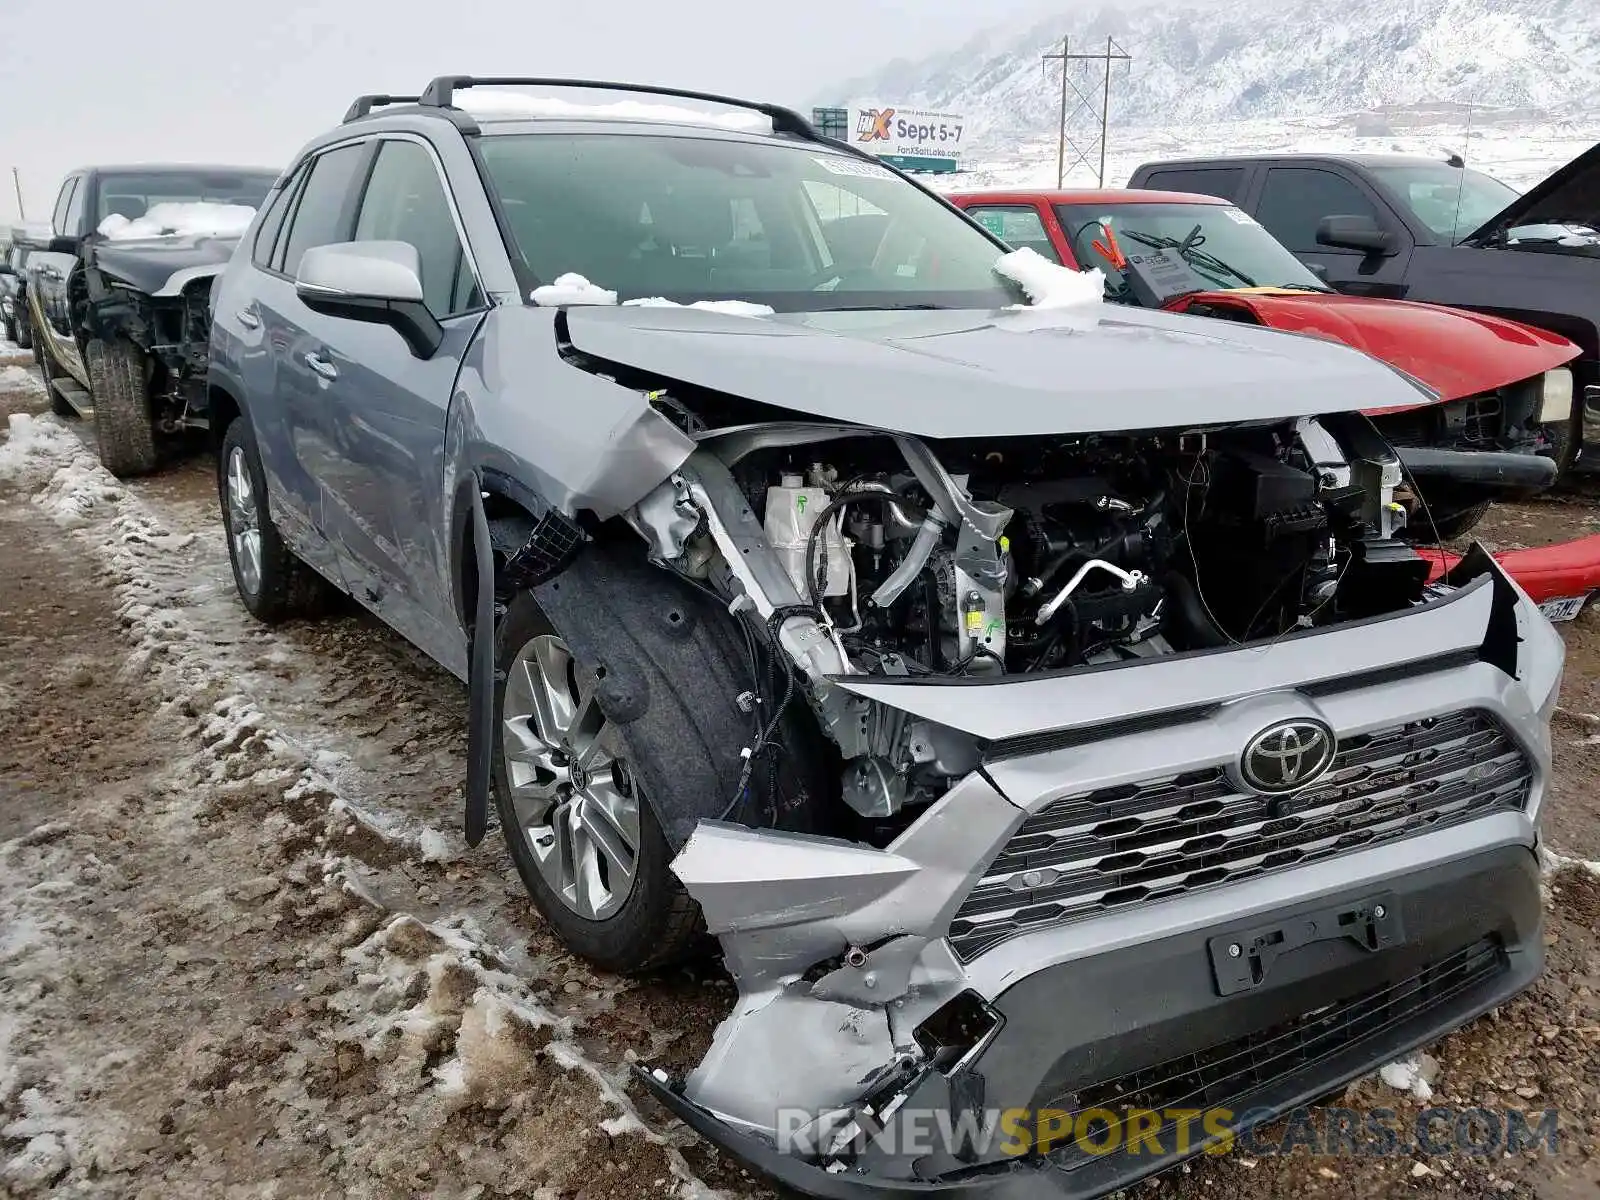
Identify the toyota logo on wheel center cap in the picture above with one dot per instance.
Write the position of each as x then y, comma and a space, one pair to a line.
1288, 756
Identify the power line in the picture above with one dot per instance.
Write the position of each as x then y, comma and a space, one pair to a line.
1112, 53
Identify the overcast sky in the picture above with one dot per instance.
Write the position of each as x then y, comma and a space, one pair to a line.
228, 81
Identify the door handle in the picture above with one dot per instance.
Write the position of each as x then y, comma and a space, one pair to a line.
248, 319
321, 366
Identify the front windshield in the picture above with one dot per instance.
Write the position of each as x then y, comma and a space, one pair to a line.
797, 228
1451, 201
1220, 243
133, 195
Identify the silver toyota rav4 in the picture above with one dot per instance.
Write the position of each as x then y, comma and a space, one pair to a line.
1033, 699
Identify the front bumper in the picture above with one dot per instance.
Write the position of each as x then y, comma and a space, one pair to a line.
1143, 1029
847, 956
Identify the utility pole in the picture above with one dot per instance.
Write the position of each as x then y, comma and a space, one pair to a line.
16, 181
1112, 53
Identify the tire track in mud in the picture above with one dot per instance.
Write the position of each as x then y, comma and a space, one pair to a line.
447, 1031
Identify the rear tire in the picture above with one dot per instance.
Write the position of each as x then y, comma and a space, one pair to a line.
11, 332
24, 334
124, 426
272, 582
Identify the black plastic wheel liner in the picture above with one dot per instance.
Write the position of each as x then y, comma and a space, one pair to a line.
674, 667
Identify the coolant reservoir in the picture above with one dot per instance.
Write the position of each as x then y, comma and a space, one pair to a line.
792, 512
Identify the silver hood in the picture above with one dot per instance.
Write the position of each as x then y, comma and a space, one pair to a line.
957, 374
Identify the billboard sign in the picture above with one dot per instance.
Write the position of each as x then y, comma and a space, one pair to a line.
908, 133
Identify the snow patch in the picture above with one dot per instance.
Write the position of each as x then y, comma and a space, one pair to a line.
571, 288
1416, 1075
435, 847
35, 444
484, 103
1051, 285
733, 308
197, 219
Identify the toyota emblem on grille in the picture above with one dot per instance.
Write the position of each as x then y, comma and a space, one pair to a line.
1288, 756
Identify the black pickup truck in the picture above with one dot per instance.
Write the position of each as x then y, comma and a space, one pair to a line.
118, 297
1436, 230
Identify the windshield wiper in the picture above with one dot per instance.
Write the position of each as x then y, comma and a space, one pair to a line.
1195, 257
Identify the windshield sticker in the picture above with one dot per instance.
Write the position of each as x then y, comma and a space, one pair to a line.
1239, 216
837, 164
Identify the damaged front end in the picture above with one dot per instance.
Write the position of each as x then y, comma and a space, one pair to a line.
1166, 783
156, 295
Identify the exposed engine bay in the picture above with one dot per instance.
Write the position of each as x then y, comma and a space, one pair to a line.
863, 553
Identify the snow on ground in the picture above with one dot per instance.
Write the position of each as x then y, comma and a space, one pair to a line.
443, 1011
198, 219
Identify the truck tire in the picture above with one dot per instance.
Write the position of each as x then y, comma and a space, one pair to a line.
10, 332
24, 334
272, 582
124, 426
47, 372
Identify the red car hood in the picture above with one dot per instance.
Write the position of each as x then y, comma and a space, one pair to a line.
1454, 352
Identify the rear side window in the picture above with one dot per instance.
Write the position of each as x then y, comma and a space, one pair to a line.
323, 215
272, 223
405, 202
1205, 181
1294, 200
1017, 225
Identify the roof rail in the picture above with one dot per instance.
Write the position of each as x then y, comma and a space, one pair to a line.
365, 104
441, 94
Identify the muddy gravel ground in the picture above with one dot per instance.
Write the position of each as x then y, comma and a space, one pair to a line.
244, 953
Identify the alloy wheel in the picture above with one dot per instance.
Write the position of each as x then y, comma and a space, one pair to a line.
575, 801
244, 521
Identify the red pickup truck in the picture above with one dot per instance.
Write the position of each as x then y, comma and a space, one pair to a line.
1504, 388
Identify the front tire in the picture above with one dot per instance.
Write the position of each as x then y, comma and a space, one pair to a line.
272, 582
585, 841
124, 426
1449, 522
24, 333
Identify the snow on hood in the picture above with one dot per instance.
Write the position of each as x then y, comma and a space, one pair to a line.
200, 219
573, 289
1051, 285
489, 104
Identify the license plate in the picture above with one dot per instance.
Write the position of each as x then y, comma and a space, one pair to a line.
1565, 609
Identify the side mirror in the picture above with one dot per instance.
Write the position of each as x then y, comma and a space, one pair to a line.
1355, 233
7, 269
62, 245
376, 282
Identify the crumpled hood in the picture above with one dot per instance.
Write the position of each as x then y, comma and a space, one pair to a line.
1454, 352
1571, 195
965, 373
149, 263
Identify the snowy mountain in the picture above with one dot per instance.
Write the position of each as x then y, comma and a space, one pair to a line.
1199, 61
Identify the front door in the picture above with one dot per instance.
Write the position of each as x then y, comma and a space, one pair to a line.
50, 275
1293, 201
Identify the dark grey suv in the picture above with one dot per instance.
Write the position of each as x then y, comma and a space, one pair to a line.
1033, 698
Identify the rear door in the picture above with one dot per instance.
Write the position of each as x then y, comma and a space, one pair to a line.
1293, 199
389, 406
297, 378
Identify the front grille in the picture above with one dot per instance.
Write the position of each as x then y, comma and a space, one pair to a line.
1226, 1075
1108, 849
